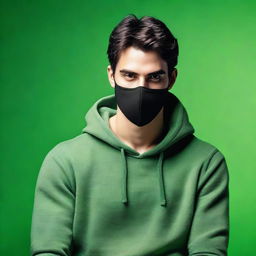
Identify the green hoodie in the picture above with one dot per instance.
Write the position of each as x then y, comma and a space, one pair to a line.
96, 196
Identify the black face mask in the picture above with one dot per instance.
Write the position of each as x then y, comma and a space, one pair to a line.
140, 104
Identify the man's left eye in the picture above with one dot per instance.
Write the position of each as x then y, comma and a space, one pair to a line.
155, 77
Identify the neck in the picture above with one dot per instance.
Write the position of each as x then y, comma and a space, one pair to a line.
139, 138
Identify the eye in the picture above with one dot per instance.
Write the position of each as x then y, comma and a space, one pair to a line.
156, 77
129, 75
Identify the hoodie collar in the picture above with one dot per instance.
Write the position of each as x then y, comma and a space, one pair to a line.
176, 128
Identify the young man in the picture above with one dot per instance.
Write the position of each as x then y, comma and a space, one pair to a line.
137, 181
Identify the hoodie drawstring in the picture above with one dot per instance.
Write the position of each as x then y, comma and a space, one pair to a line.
160, 175
124, 187
161, 179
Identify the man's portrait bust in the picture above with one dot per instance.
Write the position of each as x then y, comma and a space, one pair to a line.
137, 180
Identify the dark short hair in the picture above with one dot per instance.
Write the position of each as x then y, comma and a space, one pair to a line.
146, 33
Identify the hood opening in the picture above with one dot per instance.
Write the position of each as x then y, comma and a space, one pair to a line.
177, 127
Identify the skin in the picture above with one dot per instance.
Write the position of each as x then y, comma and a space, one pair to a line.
145, 137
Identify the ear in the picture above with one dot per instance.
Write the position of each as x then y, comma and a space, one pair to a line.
172, 78
110, 76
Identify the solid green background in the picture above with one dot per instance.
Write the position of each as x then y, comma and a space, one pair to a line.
54, 67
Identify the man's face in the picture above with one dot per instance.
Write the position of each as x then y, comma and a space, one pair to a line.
139, 68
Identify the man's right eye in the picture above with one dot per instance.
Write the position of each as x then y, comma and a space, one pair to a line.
129, 75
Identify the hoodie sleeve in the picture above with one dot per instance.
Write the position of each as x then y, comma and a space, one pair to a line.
209, 234
52, 217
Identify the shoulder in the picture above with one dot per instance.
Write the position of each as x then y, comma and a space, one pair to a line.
62, 158
213, 161
205, 148
73, 145
202, 154
69, 151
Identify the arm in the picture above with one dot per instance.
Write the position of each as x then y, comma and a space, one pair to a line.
209, 234
52, 218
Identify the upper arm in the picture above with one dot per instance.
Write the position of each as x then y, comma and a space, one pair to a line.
54, 201
209, 234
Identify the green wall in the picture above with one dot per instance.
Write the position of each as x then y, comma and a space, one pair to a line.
54, 67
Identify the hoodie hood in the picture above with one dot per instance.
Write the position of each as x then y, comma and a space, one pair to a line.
176, 128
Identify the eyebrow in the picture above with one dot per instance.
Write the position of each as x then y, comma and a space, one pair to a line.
158, 72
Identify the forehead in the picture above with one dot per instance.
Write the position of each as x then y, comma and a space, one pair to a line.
140, 61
